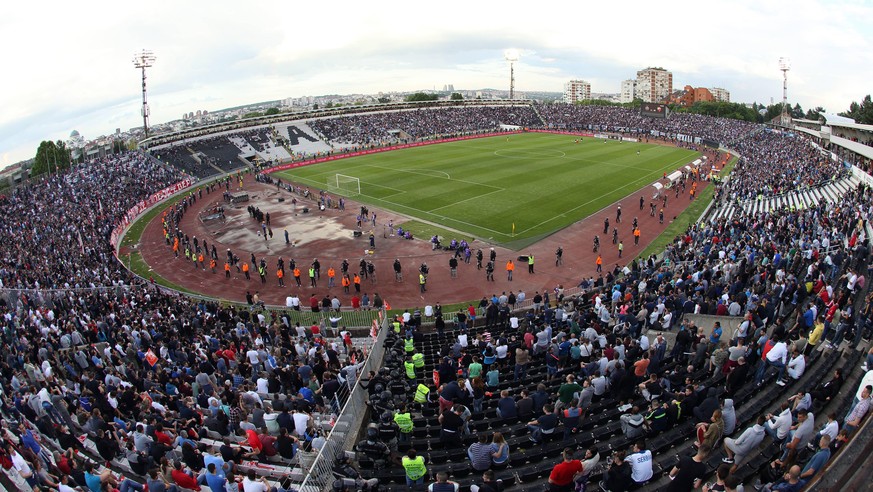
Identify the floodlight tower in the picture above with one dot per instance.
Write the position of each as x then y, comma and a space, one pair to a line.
785, 66
142, 60
511, 56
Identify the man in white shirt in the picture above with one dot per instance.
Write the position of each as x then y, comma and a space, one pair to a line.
462, 339
641, 463
252, 484
796, 367
776, 357
777, 426
254, 360
301, 422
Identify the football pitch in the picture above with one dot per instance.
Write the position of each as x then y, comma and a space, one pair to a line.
511, 191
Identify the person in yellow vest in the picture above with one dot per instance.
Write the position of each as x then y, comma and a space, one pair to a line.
396, 325
418, 360
530, 263
422, 280
415, 469
408, 345
410, 369
403, 419
421, 394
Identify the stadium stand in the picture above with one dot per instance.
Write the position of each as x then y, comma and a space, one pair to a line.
127, 380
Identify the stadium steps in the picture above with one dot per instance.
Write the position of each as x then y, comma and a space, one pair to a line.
810, 196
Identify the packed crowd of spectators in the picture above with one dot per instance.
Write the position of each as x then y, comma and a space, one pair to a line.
56, 231
377, 128
140, 374
776, 162
795, 279
630, 121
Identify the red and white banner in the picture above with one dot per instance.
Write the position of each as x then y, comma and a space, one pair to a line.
140, 207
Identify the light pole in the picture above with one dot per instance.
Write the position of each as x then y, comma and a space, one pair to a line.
142, 60
784, 66
511, 55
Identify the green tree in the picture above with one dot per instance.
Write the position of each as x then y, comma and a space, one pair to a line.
815, 114
797, 111
50, 157
252, 114
383, 100
421, 96
456, 96
271, 111
861, 113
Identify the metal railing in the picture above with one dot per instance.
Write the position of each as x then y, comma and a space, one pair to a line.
317, 465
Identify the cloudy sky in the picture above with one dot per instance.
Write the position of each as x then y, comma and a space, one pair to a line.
68, 65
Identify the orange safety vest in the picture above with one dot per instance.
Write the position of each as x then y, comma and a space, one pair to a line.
296, 272
245, 267
280, 273
212, 264
331, 272
226, 266
510, 266
599, 260
357, 279
637, 232
346, 282
200, 258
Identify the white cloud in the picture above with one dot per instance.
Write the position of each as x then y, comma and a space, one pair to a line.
69, 65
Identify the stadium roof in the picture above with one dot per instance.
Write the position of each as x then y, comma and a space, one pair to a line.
854, 126
835, 119
855, 147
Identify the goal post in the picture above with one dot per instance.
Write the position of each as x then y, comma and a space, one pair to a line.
348, 184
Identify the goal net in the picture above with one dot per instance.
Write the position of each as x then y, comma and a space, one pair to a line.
348, 184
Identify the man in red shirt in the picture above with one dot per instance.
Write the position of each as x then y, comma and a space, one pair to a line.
161, 436
268, 443
253, 441
564, 473
182, 479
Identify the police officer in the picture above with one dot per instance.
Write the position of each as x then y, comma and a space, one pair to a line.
374, 448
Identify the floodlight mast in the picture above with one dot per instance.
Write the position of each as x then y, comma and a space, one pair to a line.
142, 60
511, 56
784, 66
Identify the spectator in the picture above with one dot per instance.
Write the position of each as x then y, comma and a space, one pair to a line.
443, 484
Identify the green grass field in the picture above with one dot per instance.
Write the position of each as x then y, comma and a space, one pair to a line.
481, 187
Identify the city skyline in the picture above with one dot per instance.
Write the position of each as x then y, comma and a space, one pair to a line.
72, 69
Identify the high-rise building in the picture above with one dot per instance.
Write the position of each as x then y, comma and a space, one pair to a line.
721, 95
628, 91
654, 84
576, 90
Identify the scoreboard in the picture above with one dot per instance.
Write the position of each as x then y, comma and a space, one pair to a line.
653, 110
